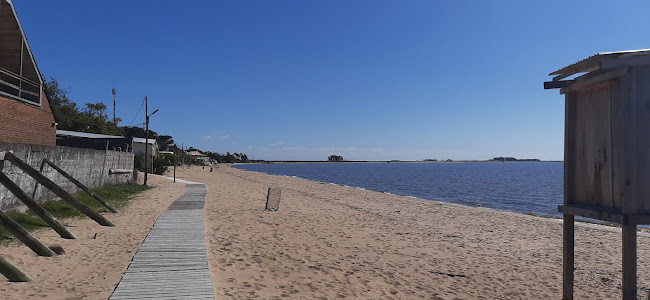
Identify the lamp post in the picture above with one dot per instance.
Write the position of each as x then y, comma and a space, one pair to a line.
146, 140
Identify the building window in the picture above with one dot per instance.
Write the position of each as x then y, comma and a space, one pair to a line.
19, 76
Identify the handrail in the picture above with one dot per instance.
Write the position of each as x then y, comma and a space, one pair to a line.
12, 74
25, 89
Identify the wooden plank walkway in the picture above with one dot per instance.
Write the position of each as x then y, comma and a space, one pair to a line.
172, 261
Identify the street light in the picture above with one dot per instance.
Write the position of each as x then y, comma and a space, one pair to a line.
146, 140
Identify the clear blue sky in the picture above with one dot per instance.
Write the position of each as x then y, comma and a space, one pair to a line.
300, 80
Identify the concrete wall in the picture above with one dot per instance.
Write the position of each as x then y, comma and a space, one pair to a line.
90, 167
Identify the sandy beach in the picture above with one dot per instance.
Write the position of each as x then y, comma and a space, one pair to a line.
91, 268
329, 242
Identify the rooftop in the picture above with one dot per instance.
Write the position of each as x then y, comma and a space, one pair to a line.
142, 140
604, 60
66, 133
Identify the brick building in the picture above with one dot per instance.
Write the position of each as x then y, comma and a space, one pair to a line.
25, 112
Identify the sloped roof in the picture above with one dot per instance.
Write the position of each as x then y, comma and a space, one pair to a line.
11, 38
195, 153
604, 60
143, 140
66, 133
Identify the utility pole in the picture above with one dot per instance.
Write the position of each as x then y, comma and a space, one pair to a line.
146, 141
114, 92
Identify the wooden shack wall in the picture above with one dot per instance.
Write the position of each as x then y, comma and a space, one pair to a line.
588, 176
607, 143
638, 113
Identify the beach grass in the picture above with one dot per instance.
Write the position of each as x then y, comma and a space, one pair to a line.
117, 195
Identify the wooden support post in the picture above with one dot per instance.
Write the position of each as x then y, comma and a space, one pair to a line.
568, 257
12, 272
20, 233
35, 207
81, 186
36, 184
65, 196
629, 262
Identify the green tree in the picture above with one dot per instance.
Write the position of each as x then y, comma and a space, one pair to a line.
64, 110
165, 142
91, 119
335, 158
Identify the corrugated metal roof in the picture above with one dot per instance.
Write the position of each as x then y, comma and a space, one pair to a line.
142, 140
66, 133
592, 63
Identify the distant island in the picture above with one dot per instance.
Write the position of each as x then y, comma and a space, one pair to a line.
505, 159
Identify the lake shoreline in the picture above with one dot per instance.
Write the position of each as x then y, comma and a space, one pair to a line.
330, 241
523, 187
559, 218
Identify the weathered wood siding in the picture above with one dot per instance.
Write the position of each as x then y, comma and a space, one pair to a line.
588, 149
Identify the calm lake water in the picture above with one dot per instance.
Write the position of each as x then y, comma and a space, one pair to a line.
524, 187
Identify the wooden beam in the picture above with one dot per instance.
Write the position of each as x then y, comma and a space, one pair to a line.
81, 186
568, 244
589, 79
20, 233
625, 61
629, 262
40, 170
12, 273
65, 196
35, 207
592, 213
556, 84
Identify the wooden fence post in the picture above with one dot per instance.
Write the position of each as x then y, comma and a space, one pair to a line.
49, 184
12, 272
35, 207
81, 186
20, 233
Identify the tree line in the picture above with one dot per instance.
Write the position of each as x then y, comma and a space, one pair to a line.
93, 118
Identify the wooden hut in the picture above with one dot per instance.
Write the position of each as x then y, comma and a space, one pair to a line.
606, 150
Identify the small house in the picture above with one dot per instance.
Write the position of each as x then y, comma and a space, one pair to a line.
198, 157
139, 147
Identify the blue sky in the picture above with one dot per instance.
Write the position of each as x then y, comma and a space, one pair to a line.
300, 80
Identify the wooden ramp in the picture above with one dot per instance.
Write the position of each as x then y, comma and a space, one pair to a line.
172, 261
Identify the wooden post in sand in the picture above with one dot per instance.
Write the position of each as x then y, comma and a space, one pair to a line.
81, 186
21, 234
49, 184
35, 207
12, 273
606, 138
629, 261
568, 246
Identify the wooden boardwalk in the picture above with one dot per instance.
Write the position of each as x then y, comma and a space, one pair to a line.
172, 261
